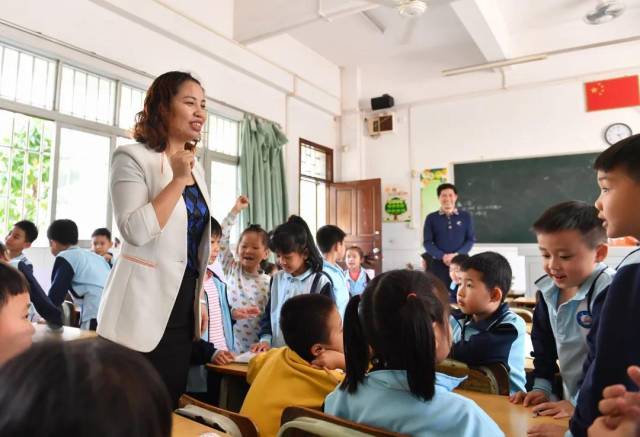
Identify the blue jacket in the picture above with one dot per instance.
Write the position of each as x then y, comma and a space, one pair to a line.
339, 285
39, 299
448, 233
202, 350
284, 286
83, 274
559, 332
497, 339
614, 342
384, 400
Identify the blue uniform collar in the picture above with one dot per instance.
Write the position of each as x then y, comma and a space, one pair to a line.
302, 277
487, 324
397, 380
548, 288
331, 266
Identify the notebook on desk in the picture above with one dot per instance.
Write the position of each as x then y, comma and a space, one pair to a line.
244, 357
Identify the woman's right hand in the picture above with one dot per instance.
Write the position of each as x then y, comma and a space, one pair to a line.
181, 164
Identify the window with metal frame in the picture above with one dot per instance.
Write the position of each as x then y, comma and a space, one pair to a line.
87, 95
316, 172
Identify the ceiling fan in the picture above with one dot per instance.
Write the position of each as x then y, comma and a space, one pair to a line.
605, 11
410, 10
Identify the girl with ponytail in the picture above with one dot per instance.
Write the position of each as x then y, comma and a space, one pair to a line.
301, 273
395, 333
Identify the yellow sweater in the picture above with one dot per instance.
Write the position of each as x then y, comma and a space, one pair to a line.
280, 378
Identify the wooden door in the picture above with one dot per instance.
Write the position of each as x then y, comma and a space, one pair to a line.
355, 208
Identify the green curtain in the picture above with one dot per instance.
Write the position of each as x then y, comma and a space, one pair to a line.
262, 172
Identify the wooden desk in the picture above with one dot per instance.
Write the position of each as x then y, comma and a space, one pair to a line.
514, 420
68, 333
527, 302
184, 427
233, 385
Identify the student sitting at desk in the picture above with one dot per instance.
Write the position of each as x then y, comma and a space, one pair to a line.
484, 329
572, 242
395, 334
15, 329
303, 372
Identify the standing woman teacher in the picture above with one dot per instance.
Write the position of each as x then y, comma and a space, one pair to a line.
447, 233
160, 200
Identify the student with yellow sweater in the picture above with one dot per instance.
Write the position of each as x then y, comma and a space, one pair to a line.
302, 373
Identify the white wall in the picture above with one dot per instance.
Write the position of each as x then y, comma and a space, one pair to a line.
533, 120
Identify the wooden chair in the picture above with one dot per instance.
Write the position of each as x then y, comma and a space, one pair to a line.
70, 316
305, 422
245, 426
490, 378
524, 313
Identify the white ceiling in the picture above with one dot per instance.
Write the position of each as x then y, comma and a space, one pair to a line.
450, 34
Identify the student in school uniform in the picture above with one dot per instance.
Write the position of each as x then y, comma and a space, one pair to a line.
572, 243
101, 244
447, 232
357, 277
395, 333
20, 238
303, 372
484, 329
216, 344
614, 340
15, 329
77, 271
330, 240
455, 275
301, 273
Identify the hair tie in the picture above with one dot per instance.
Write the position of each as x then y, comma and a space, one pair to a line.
412, 294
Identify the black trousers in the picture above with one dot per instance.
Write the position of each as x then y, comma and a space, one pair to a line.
441, 270
171, 357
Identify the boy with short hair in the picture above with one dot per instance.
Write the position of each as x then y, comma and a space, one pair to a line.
216, 342
330, 241
572, 243
20, 238
101, 243
485, 331
455, 272
15, 329
302, 373
75, 270
615, 331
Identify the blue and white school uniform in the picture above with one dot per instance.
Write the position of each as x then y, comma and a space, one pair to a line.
383, 400
356, 287
339, 284
559, 332
284, 286
83, 274
498, 339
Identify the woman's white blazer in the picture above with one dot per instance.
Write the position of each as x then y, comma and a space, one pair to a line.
143, 285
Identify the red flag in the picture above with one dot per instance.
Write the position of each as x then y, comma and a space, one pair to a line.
612, 93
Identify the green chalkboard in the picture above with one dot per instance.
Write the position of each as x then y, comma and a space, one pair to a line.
506, 197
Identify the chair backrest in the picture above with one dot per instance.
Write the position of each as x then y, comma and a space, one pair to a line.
304, 422
70, 316
526, 314
245, 426
490, 378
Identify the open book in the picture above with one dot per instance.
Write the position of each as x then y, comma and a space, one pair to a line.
244, 357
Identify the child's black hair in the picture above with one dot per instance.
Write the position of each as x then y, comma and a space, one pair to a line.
494, 268
304, 322
12, 283
446, 186
268, 267
573, 215
102, 232
328, 236
624, 154
64, 231
216, 229
295, 236
29, 228
82, 387
459, 259
257, 229
394, 316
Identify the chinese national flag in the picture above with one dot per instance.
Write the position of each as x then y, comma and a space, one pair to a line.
612, 93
